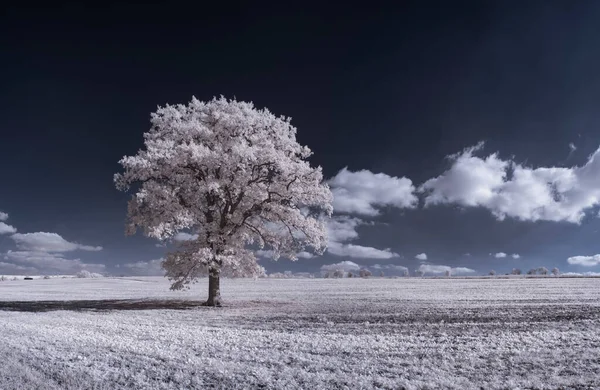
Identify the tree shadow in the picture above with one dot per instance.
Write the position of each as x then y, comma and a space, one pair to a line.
100, 305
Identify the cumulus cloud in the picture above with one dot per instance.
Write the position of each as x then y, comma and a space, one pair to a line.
182, 236
269, 254
341, 229
4, 227
363, 192
589, 273
12, 269
45, 262
500, 255
421, 256
440, 269
7, 229
516, 256
392, 267
346, 266
359, 251
48, 242
146, 268
585, 261
528, 194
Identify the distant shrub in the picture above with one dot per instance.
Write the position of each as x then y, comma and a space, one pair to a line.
542, 271
350, 275
555, 271
2, 278
532, 271
448, 273
338, 273
516, 271
492, 273
46, 277
418, 272
88, 274
405, 273
381, 274
364, 273
15, 278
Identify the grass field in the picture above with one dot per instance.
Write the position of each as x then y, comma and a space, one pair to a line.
118, 333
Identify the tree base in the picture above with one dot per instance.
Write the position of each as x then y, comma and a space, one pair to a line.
212, 303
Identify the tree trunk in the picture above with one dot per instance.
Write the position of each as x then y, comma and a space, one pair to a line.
214, 289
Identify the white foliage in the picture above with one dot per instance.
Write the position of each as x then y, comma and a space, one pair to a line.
87, 274
235, 175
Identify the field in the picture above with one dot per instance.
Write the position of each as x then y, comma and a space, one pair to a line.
119, 333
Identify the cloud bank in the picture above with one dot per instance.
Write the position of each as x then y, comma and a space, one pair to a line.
364, 192
509, 189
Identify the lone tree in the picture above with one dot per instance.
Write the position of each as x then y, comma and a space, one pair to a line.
492, 273
555, 271
234, 178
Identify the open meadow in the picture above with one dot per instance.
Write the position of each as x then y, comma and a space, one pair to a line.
118, 333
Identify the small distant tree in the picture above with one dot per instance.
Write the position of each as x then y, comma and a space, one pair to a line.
381, 274
516, 271
555, 271
419, 273
448, 273
532, 271
326, 275
2, 278
350, 275
338, 273
405, 273
235, 176
364, 273
542, 271
492, 273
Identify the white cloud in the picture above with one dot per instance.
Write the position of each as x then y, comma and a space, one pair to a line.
359, 251
500, 255
572, 147
45, 262
146, 268
3, 216
589, 273
12, 269
343, 265
6, 229
343, 228
421, 256
585, 261
516, 256
389, 267
48, 242
182, 236
440, 269
529, 194
362, 192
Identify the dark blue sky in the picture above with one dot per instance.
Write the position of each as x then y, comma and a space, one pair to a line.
390, 90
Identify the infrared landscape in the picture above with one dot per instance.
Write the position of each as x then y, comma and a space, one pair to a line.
399, 333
